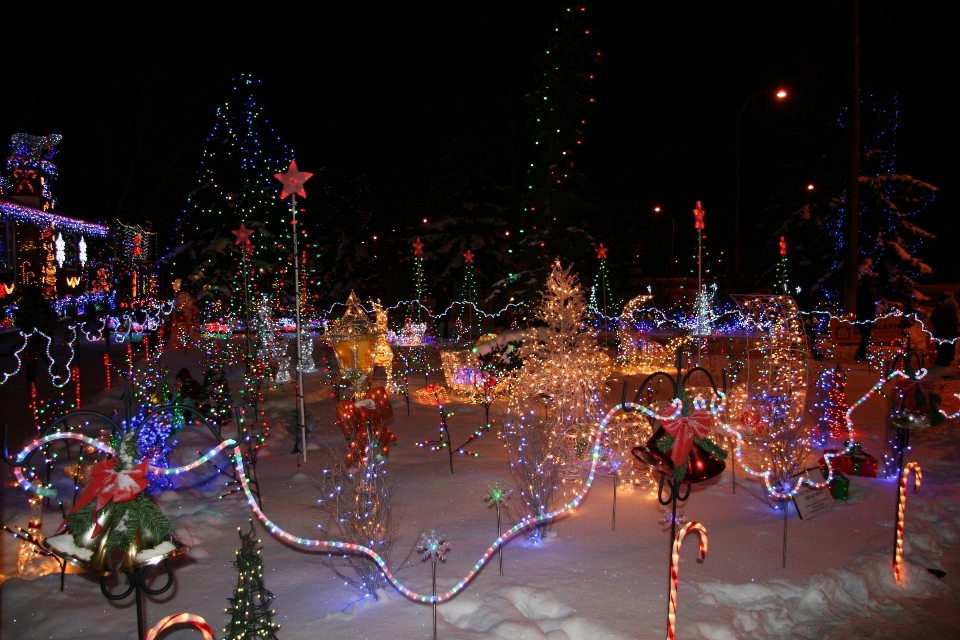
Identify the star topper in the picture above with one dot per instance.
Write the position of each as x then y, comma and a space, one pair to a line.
783, 246
698, 216
293, 181
418, 248
601, 252
243, 236
468, 257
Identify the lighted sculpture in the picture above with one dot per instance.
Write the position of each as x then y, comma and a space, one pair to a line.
382, 353
461, 369
353, 338
765, 408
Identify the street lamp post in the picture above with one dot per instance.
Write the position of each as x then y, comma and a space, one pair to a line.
673, 230
781, 94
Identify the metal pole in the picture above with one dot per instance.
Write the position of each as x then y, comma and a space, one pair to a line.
301, 419
673, 235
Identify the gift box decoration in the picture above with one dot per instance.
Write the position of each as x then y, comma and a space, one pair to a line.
839, 486
853, 461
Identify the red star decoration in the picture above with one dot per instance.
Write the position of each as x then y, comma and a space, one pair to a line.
698, 217
243, 236
293, 181
783, 246
468, 257
601, 252
418, 248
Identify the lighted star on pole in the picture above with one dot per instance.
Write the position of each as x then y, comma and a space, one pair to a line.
601, 252
468, 257
418, 248
698, 216
293, 181
243, 236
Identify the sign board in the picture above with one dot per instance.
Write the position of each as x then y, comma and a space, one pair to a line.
885, 330
812, 502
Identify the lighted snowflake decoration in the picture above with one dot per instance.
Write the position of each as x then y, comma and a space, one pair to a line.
82, 249
433, 547
667, 516
61, 247
497, 496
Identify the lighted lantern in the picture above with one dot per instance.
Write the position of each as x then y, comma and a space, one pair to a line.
353, 338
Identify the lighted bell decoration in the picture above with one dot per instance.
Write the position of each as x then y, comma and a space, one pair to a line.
114, 525
700, 465
353, 338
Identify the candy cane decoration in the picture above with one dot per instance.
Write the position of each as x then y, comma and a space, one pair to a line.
181, 618
901, 507
674, 568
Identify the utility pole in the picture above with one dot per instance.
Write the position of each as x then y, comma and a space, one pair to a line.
851, 248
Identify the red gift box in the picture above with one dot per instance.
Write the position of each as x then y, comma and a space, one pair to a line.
852, 461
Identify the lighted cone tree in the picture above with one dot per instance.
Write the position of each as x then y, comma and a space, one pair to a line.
564, 362
250, 613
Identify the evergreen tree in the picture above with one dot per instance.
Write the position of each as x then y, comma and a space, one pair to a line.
554, 206
236, 184
215, 398
552, 195
250, 614
472, 215
341, 250
890, 202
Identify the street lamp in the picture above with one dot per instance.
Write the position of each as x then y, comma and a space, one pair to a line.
781, 94
673, 229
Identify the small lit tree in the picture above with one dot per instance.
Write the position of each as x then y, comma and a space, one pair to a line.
356, 503
250, 613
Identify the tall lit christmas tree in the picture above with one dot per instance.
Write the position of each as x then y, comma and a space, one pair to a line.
469, 290
419, 283
235, 185
782, 282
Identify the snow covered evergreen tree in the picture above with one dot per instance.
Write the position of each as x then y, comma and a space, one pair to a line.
890, 202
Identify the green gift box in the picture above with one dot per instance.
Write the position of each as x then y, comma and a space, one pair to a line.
840, 486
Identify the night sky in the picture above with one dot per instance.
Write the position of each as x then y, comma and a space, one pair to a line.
375, 88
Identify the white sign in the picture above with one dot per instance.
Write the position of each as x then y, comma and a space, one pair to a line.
812, 502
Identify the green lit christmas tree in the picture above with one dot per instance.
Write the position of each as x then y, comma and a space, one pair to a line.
250, 613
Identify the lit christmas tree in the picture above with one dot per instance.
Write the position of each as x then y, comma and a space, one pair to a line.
419, 284
250, 613
563, 370
831, 404
601, 301
215, 397
782, 283
240, 157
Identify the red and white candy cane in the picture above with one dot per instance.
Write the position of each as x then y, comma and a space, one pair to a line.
901, 507
181, 618
674, 567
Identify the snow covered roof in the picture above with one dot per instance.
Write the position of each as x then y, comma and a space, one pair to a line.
18, 212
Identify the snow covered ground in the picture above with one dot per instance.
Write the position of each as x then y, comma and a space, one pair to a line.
587, 581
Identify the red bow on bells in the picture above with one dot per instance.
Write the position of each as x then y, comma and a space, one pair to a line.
684, 429
107, 484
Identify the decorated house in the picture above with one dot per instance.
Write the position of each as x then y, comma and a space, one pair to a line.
39, 245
